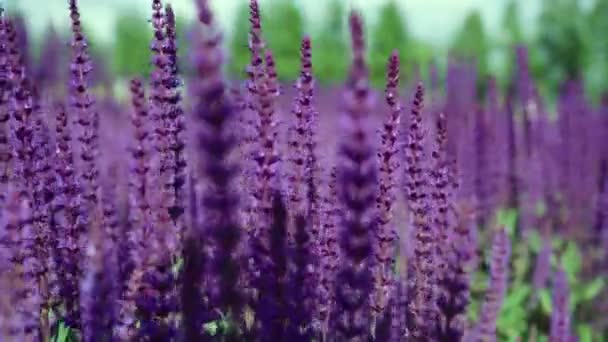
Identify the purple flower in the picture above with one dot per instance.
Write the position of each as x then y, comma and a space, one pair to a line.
302, 283
328, 251
357, 174
175, 121
6, 154
385, 200
560, 315
216, 142
161, 103
140, 216
20, 240
298, 131
67, 215
98, 287
459, 258
499, 276
423, 264
82, 104
275, 290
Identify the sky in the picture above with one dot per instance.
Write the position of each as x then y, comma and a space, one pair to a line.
434, 21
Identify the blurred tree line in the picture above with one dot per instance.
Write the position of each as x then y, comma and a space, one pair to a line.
569, 42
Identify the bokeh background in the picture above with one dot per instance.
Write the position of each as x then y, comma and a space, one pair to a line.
566, 38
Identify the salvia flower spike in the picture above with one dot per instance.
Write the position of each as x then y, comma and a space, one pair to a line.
386, 234
560, 316
357, 175
82, 104
499, 273
216, 142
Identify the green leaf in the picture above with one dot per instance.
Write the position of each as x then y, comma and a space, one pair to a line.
177, 266
557, 243
516, 297
541, 208
544, 296
211, 327
521, 264
554, 261
571, 260
513, 321
535, 241
473, 310
389, 33
508, 219
513, 338
63, 333
592, 289
472, 41
480, 281
585, 333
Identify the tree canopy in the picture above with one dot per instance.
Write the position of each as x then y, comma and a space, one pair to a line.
131, 48
388, 34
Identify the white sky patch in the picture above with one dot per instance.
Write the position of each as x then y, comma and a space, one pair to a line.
434, 21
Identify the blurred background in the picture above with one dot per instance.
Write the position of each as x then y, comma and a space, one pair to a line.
566, 38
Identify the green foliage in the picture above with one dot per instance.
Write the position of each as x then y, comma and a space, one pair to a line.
471, 42
329, 45
239, 51
511, 22
388, 34
526, 312
572, 261
510, 321
507, 218
535, 241
131, 49
562, 40
284, 28
596, 70
585, 333
591, 290
64, 334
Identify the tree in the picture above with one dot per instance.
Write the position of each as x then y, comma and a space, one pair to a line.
512, 36
239, 51
562, 39
511, 22
329, 46
388, 34
283, 30
471, 43
282, 25
597, 71
131, 49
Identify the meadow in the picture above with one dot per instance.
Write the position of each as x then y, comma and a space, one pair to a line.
207, 208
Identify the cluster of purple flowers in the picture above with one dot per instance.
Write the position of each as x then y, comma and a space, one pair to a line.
202, 225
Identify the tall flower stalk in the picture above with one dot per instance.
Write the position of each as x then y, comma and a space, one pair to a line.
175, 123
560, 317
216, 142
423, 280
87, 117
68, 214
19, 237
357, 175
385, 200
499, 271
